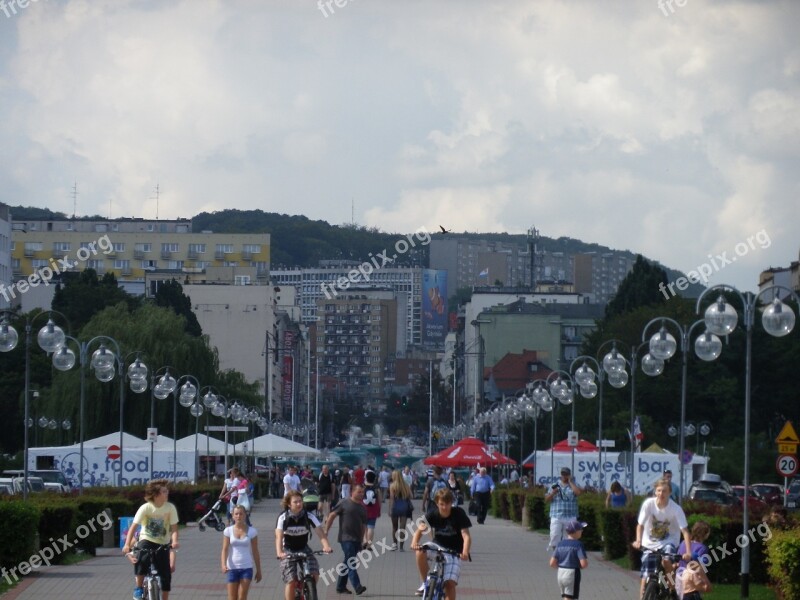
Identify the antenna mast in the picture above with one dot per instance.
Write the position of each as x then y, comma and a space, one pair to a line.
157, 198
74, 199
535, 258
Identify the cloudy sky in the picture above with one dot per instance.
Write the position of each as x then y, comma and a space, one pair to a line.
669, 130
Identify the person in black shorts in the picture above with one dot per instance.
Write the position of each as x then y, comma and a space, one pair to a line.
451, 530
326, 489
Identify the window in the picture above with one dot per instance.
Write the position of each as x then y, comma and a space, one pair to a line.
150, 265
170, 247
38, 263
101, 227
33, 247
151, 227
122, 265
119, 247
251, 248
61, 246
143, 247
174, 264
95, 264
230, 263
241, 280
197, 248
224, 248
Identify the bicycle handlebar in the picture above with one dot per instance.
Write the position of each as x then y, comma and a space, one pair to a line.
673, 556
437, 548
303, 554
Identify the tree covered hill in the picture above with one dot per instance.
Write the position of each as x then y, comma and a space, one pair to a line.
297, 241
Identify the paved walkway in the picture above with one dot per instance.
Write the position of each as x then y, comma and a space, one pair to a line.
507, 562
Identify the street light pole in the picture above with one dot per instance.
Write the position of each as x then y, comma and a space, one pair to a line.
663, 346
721, 319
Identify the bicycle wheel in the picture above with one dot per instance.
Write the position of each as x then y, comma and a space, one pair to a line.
652, 590
153, 590
431, 583
309, 590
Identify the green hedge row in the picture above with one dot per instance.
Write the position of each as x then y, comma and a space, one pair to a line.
612, 530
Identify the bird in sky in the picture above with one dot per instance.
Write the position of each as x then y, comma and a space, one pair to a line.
443, 230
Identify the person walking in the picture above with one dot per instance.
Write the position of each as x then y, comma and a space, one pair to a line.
434, 483
230, 492
454, 485
569, 558
291, 482
408, 477
158, 520
675, 489
563, 499
400, 498
352, 528
384, 476
372, 502
346, 482
481, 491
240, 555
618, 496
327, 490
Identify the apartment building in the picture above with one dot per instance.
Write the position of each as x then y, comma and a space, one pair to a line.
356, 336
130, 248
324, 283
5, 254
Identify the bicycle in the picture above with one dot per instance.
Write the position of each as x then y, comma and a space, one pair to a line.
434, 582
306, 588
655, 586
151, 585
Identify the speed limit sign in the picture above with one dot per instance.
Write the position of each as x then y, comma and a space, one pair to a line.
786, 465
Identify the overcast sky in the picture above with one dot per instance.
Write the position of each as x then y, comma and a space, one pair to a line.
673, 132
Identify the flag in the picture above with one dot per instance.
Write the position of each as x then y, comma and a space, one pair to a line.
637, 432
484, 273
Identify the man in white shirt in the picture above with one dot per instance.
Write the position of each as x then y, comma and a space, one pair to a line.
291, 482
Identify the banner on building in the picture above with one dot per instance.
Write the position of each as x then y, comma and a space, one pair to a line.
434, 308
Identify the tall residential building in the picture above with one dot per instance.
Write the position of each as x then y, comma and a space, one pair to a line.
788, 277
333, 279
472, 261
5, 255
130, 248
356, 336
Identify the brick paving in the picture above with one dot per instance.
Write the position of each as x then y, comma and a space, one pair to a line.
507, 562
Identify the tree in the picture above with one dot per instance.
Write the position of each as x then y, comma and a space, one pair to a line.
641, 287
170, 294
80, 295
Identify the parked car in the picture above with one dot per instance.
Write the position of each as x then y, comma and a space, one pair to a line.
771, 493
793, 495
712, 488
35, 484
54, 480
754, 498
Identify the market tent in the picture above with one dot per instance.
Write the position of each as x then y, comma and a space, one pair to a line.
273, 445
104, 441
562, 446
469, 452
206, 445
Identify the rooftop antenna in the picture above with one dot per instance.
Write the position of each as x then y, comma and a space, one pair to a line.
535, 257
156, 199
74, 199
353, 211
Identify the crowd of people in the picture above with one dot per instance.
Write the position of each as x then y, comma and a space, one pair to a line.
354, 499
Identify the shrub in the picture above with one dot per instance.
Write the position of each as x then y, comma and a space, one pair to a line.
783, 560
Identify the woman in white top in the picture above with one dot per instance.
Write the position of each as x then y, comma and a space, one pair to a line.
240, 555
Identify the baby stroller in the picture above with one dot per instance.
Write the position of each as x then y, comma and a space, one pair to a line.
214, 517
311, 501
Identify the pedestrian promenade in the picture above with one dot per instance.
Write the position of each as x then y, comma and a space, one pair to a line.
507, 562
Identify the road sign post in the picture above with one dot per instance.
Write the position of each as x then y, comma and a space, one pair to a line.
786, 465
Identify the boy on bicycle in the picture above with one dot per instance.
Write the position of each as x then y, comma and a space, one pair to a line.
292, 534
660, 525
158, 519
451, 530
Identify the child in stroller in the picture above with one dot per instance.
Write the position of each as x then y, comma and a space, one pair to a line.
213, 516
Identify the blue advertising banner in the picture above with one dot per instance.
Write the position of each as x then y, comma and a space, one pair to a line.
434, 308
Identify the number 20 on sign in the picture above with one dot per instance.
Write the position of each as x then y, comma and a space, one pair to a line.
786, 465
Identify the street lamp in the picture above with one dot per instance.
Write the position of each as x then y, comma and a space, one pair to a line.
186, 395
721, 319
611, 368
49, 338
102, 362
651, 366
690, 429
663, 346
164, 387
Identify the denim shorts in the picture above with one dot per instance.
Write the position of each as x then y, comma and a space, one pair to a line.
236, 575
371, 523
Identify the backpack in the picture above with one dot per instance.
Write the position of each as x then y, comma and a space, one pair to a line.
438, 484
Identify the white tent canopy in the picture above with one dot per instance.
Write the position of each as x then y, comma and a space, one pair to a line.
206, 445
274, 445
130, 441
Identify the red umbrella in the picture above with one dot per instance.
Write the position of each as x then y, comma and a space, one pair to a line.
468, 452
583, 446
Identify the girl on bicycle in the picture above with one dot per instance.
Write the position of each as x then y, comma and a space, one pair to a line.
240, 555
158, 520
